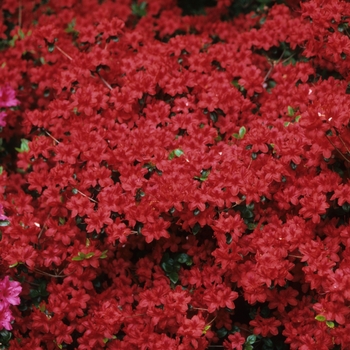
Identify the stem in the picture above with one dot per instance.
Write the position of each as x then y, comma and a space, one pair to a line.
64, 53
273, 64
104, 82
42, 229
20, 13
50, 274
337, 149
83, 194
48, 134
342, 141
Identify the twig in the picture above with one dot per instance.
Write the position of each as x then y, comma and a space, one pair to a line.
64, 53
50, 274
20, 13
83, 194
273, 64
48, 134
337, 149
104, 82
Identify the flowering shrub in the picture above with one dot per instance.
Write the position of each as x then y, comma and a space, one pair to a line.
177, 181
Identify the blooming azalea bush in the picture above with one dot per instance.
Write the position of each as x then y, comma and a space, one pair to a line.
176, 178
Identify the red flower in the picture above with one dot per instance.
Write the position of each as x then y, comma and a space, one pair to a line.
265, 326
193, 327
235, 342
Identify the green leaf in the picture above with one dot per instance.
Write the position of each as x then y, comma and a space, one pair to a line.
206, 328
330, 324
50, 47
70, 27
89, 255
222, 332
286, 124
320, 318
176, 153
77, 258
297, 118
242, 132
290, 111
173, 276
196, 228
251, 339
139, 9
13, 265
104, 254
24, 146
4, 223
183, 258
204, 175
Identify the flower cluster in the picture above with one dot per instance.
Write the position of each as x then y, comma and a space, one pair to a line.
9, 291
7, 99
176, 178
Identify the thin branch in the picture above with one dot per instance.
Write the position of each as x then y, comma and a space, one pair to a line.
64, 53
83, 194
20, 13
273, 64
341, 139
48, 134
50, 274
337, 149
104, 82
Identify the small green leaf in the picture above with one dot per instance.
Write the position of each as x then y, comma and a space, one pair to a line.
89, 255
104, 254
4, 223
173, 276
206, 328
70, 27
75, 191
290, 111
183, 258
320, 318
13, 265
51, 47
222, 332
297, 118
251, 339
286, 124
24, 146
196, 228
139, 9
77, 258
242, 132
330, 324
176, 153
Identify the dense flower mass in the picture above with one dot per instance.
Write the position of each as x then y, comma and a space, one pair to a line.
175, 177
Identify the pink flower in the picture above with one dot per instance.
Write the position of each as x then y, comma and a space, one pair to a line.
5, 316
2, 215
8, 97
2, 118
9, 291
